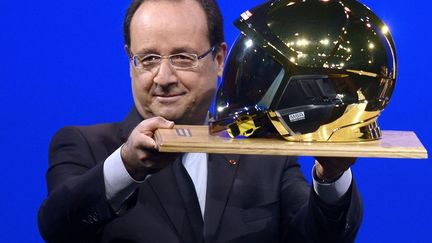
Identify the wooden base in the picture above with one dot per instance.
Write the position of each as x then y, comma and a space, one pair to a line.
393, 144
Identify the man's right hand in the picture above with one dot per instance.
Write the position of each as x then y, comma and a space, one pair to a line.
139, 153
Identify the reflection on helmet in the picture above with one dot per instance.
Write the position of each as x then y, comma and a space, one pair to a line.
310, 70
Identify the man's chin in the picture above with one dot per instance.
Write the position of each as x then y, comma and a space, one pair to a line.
170, 114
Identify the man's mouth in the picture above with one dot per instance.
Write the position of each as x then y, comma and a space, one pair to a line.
168, 95
168, 98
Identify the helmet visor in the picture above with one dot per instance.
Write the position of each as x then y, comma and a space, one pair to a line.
250, 81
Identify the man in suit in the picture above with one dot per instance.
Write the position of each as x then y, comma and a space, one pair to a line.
108, 182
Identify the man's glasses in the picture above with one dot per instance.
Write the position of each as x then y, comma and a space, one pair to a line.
180, 61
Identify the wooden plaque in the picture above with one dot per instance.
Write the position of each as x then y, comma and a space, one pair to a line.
393, 144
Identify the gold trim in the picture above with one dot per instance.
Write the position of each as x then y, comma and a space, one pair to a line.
245, 126
355, 125
361, 72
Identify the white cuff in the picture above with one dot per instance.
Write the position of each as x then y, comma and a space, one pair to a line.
119, 185
332, 192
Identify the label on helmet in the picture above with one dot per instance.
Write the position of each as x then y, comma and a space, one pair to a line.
297, 116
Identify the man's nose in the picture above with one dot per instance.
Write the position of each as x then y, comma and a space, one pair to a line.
165, 74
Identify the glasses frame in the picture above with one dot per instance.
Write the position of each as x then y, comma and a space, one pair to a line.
194, 56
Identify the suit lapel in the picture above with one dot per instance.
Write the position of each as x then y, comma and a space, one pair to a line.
165, 187
221, 173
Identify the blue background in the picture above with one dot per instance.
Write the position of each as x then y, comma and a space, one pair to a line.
62, 63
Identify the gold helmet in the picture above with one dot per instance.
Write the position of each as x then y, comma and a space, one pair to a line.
311, 70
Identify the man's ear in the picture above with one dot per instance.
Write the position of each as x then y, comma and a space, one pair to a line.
128, 51
129, 55
220, 58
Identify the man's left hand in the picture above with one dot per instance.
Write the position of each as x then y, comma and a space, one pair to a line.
331, 168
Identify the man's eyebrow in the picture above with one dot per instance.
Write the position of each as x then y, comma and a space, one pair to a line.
175, 50
148, 51
182, 50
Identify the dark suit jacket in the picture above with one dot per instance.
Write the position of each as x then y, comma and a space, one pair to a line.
257, 199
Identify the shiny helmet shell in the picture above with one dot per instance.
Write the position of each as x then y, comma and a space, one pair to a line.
309, 70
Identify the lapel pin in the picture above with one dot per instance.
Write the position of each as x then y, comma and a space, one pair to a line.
232, 161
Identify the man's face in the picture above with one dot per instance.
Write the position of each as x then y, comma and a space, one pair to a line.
165, 28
